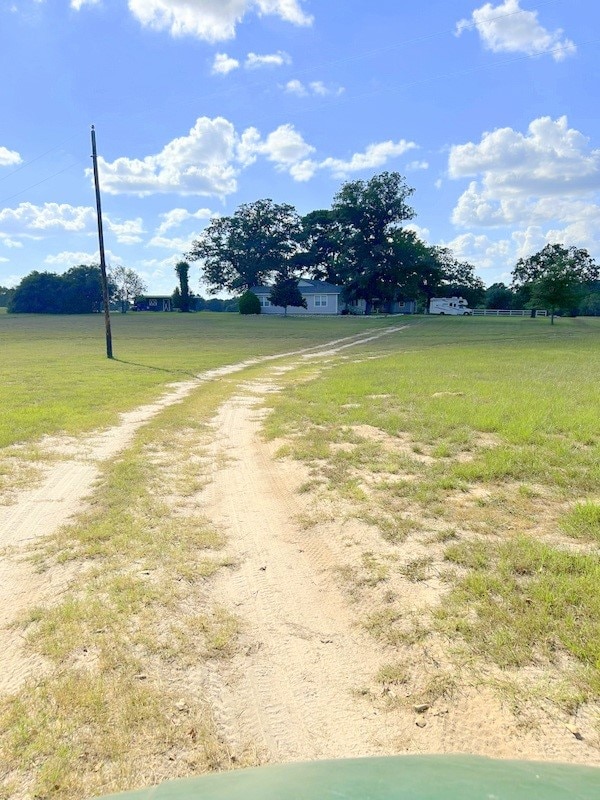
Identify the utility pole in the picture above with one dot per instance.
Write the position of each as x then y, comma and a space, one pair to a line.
105, 300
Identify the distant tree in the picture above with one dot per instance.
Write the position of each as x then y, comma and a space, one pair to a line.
182, 269
38, 293
176, 297
369, 215
590, 305
499, 296
459, 280
249, 303
127, 285
82, 290
77, 291
285, 292
5, 295
215, 304
556, 276
248, 248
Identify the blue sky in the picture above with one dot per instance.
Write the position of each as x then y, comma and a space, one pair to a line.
490, 111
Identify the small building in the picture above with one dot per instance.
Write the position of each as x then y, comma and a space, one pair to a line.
321, 298
154, 302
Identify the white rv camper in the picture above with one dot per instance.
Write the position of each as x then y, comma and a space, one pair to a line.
455, 306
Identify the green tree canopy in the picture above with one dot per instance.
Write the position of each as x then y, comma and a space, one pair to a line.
372, 260
248, 248
555, 276
5, 295
184, 297
321, 243
459, 280
127, 284
285, 292
78, 291
499, 296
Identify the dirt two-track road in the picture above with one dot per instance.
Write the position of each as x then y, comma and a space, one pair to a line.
295, 687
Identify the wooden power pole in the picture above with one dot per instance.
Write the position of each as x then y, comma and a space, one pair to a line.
105, 298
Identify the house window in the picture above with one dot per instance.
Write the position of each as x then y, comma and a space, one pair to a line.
265, 302
320, 301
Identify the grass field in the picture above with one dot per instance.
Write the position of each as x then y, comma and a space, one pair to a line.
54, 375
476, 441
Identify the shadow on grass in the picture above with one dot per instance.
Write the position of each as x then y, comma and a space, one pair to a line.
187, 372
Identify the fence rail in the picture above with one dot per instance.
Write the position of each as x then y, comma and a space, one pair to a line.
522, 312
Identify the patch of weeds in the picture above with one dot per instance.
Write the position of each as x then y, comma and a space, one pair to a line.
73, 624
82, 734
439, 685
583, 522
219, 630
375, 571
528, 492
391, 626
419, 569
392, 674
471, 555
393, 529
310, 485
443, 536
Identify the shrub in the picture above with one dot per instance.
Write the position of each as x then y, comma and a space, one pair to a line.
249, 303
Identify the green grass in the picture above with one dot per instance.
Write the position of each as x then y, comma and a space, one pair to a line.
583, 522
54, 375
525, 602
491, 428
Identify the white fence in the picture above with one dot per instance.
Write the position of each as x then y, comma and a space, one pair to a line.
523, 312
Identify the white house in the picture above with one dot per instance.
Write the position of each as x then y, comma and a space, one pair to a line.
321, 298
325, 298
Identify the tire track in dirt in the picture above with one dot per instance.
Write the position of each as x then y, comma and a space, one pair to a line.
291, 692
62, 493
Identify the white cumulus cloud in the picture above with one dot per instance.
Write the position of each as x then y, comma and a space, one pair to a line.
375, 155
199, 163
9, 157
414, 166
72, 258
126, 232
510, 29
284, 146
255, 61
518, 170
177, 217
318, 88
211, 20
59, 216
78, 4
544, 184
224, 64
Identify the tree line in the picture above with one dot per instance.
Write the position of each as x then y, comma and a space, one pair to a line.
77, 291
361, 243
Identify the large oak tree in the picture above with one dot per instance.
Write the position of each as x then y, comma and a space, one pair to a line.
373, 247
248, 248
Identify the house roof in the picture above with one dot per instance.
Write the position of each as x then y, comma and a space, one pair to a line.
306, 286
